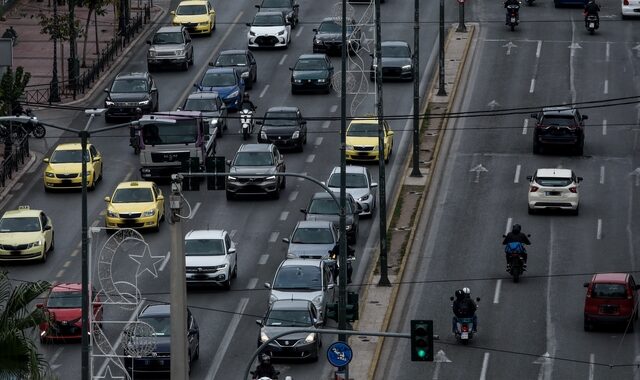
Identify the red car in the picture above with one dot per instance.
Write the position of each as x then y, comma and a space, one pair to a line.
611, 298
64, 307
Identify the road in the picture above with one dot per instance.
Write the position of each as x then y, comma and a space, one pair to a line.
228, 332
549, 59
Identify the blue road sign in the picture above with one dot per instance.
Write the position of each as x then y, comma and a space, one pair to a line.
339, 354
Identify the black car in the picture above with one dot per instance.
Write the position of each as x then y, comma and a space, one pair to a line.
312, 72
560, 127
128, 93
243, 61
153, 325
397, 61
212, 108
328, 36
322, 206
262, 161
289, 9
284, 127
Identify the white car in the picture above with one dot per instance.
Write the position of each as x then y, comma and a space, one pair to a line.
554, 189
630, 8
358, 184
210, 257
269, 29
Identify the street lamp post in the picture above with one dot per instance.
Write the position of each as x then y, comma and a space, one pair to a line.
54, 86
415, 171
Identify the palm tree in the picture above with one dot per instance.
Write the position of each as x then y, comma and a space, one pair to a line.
19, 357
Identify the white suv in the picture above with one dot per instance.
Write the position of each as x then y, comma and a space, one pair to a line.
210, 257
554, 189
269, 29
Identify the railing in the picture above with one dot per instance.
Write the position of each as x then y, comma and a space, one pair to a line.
12, 161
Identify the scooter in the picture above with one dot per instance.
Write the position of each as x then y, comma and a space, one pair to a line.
464, 327
592, 23
247, 122
512, 16
32, 126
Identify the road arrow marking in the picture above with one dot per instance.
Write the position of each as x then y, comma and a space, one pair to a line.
478, 169
637, 174
573, 48
439, 358
637, 49
493, 104
509, 45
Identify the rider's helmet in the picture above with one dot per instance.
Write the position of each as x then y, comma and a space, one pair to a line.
459, 294
265, 359
466, 291
246, 97
516, 229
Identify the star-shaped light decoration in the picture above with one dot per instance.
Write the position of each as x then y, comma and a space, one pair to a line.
109, 375
147, 262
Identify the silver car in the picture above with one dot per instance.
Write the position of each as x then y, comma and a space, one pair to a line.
322, 206
358, 184
312, 239
170, 45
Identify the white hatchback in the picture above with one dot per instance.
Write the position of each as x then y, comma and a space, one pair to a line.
630, 8
554, 189
269, 29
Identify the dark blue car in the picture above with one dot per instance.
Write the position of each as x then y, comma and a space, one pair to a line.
227, 82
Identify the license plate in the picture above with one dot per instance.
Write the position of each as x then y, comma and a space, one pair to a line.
464, 335
513, 19
592, 25
66, 181
16, 253
552, 193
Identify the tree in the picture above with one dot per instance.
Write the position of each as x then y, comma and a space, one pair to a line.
57, 27
19, 357
97, 8
12, 87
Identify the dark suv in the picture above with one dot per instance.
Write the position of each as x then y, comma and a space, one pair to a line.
328, 36
261, 161
128, 93
284, 127
559, 126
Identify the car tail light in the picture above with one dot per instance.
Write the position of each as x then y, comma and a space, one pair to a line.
625, 2
533, 189
573, 189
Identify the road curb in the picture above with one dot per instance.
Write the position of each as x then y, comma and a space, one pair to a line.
451, 98
17, 176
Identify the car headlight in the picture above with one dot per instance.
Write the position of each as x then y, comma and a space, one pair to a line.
152, 53
406, 67
364, 197
317, 300
203, 23
245, 75
151, 212
263, 135
295, 135
144, 102
318, 42
297, 80
321, 80
375, 65
213, 121
109, 102
232, 95
180, 52
263, 337
280, 33
251, 33
112, 214
34, 244
271, 178
222, 266
349, 147
230, 178
348, 228
310, 338
49, 175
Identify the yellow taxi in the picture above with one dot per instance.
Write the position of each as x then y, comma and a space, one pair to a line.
362, 140
25, 234
198, 16
135, 204
64, 167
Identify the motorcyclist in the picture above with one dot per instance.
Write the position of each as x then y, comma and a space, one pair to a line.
335, 253
265, 368
247, 104
464, 307
516, 236
591, 9
511, 2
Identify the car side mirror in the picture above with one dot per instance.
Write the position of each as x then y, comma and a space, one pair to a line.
585, 117
315, 30
248, 24
259, 322
192, 331
47, 227
534, 115
390, 133
586, 284
232, 250
290, 68
303, 210
529, 178
267, 285
451, 298
296, 5
148, 42
580, 179
477, 299
212, 12
161, 197
331, 286
154, 89
257, 6
374, 184
173, 13
106, 90
46, 159
228, 162
286, 240
107, 199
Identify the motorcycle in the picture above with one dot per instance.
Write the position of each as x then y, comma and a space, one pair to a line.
336, 267
247, 122
253, 375
516, 266
464, 328
31, 126
592, 23
512, 16
134, 140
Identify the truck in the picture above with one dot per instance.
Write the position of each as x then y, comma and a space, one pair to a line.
167, 140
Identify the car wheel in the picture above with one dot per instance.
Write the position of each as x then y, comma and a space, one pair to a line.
580, 150
531, 211
191, 60
214, 25
92, 185
185, 66
227, 284
235, 270
219, 132
164, 214
53, 242
588, 326
44, 255
276, 194
630, 326
196, 356
284, 182
230, 196
537, 149
100, 176
156, 228
576, 211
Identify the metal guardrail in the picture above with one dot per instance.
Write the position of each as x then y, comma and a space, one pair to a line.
13, 160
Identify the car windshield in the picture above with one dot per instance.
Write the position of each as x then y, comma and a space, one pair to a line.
310, 64
62, 300
160, 325
305, 277
395, 52
609, 291
289, 318
30, 224
280, 119
231, 60
204, 247
214, 79
308, 235
132, 195
326, 206
354, 180
253, 159
205, 105
167, 38
183, 131
131, 85
558, 120
268, 20
68, 156
363, 130
190, 10
554, 182
329, 27
276, 4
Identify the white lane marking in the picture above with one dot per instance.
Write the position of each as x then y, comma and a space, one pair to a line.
299, 31
592, 356
485, 365
119, 340
310, 158
60, 273
333, 108
128, 176
516, 178
284, 56
546, 369
599, 230
95, 223
274, 237
293, 196
608, 51
602, 174
17, 186
75, 252
604, 127
226, 340
194, 210
66, 264
326, 124
532, 86
263, 259
572, 83
606, 86
55, 355
318, 141
538, 49
264, 90
525, 125
252, 283
233, 233
496, 295
509, 221
284, 215
165, 261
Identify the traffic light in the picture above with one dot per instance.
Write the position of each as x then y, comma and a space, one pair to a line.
421, 340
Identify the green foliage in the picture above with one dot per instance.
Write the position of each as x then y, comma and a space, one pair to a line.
58, 27
12, 87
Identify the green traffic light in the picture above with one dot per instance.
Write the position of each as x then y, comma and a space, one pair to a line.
422, 353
